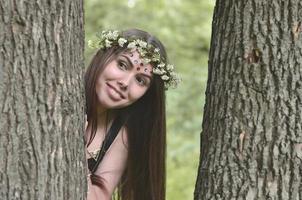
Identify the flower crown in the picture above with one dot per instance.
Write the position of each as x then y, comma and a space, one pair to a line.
149, 54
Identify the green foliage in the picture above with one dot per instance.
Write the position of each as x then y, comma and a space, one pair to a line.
184, 27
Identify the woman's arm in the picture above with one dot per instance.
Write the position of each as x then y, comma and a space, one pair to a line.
111, 168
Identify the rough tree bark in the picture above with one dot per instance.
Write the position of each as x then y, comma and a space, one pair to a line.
41, 95
251, 143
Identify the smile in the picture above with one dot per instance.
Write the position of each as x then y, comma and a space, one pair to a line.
116, 90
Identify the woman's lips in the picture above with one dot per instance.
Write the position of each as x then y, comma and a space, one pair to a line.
116, 90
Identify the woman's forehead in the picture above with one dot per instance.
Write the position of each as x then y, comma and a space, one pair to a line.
138, 62
133, 56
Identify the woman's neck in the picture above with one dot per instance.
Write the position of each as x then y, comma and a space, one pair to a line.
104, 117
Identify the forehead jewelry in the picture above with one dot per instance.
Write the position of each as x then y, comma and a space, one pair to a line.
141, 64
147, 52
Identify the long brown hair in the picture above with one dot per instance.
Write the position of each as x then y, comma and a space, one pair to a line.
145, 122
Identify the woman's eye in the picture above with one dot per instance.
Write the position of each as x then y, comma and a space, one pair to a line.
142, 81
122, 65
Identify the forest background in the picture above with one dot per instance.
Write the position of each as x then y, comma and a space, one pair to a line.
184, 26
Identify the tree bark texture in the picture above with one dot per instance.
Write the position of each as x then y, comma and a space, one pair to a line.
251, 143
41, 95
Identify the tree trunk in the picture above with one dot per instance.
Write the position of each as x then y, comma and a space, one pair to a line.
251, 143
41, 95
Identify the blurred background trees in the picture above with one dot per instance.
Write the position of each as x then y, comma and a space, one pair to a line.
184, 27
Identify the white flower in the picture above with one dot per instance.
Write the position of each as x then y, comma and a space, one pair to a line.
139, 49
107, 43
173, 74
165, 77
90, 43
115, 34
156, 57
156, 50
131, 45
142, 43
121, 41
146, 60
161, 65
158, 71
111, 35
142, 52
170, 67
94, 44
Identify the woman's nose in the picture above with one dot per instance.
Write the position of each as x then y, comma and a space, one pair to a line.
124, 82
122, 85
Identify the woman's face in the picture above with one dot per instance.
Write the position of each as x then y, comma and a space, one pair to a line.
123, 81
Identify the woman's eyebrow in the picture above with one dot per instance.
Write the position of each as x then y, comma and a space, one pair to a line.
147, 76
128, 60
131, 64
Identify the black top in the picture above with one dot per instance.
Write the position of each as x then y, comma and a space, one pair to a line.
109, 138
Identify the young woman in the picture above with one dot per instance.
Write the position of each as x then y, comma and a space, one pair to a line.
126, 130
